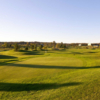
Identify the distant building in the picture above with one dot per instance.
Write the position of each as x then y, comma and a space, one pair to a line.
82, 44
79, 45
89, 44
95, 45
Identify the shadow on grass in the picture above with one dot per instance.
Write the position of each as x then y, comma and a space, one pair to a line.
37, 86
76, 53
31, 52
92, 52
50, 67
6, 62
63, 50
6, 57
5, 50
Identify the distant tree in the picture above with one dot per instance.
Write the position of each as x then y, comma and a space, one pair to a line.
64, 46
50, 44
16, 47
10, 45
27, 43
45, 47
35, 46
57, 45
5, 45
54, 44
26, 48
2, 45
45, 44
32, 46
61, 45
40, 47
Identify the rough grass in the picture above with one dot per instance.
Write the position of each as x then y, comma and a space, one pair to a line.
71, 74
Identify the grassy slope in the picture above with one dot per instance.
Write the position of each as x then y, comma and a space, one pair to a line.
66, 75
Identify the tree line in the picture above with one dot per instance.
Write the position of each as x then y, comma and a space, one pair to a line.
33, 46
40, 45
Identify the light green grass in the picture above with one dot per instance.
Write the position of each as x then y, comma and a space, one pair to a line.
71, 74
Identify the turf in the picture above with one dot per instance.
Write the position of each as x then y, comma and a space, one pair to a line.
71, 74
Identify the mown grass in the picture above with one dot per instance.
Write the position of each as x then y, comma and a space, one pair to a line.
71, 74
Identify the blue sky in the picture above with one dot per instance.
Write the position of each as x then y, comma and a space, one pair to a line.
50, 20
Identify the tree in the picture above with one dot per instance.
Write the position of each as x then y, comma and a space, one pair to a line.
45, 47
26, 48
64, 46
27, 43
35, 46
40, 47
57, 45
54, 44
61, 45
5, 44
32, 46
10, 45
50, 44
16, 47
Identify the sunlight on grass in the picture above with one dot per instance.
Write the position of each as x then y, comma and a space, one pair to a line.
71, 74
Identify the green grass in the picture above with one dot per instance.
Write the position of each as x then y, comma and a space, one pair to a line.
71, 74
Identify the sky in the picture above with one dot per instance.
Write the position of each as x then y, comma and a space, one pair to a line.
67, 21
